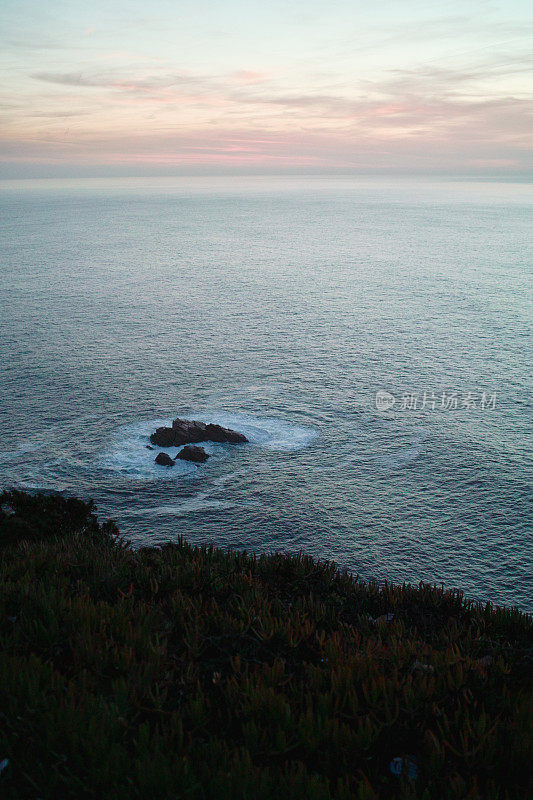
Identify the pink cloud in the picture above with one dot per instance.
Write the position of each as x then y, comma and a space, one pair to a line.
245, 77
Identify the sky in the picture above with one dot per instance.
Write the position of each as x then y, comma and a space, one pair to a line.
171, 87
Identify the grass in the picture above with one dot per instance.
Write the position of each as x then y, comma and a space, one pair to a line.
187, 672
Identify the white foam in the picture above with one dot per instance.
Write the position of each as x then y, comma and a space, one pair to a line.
39, 487
407, 455
28, 446
129, 455
271, 433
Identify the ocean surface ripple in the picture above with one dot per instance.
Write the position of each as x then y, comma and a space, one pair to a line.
280, 310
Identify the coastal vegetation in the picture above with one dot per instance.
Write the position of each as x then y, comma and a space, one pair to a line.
193, 672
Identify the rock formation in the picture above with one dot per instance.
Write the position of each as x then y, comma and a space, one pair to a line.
184, 431
164, 460
192, 452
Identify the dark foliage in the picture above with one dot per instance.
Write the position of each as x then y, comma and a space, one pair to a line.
187, 672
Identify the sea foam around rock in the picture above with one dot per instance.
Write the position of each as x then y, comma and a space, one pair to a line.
128, 454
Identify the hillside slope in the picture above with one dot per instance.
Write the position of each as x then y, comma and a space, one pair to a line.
186, 672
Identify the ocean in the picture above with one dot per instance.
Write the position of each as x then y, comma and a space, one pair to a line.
371, 337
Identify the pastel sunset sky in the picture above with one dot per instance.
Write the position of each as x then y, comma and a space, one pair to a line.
205, 86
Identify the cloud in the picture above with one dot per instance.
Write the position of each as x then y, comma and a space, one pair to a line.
296, 101
246, 77
445, 79
466, 105
65, 79
43, 43
124, 82
241, 149
428, 104
55, 114
474, 30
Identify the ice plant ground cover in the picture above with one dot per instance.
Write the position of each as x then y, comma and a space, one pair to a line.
192, 672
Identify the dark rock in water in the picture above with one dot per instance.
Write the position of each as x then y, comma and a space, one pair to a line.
184, 431
163, 437
189, 429
192, 452
149, 447
164, 460
216, 433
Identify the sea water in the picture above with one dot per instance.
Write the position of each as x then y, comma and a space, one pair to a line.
281, 308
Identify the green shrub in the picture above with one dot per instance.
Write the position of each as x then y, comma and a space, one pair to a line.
189, 672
